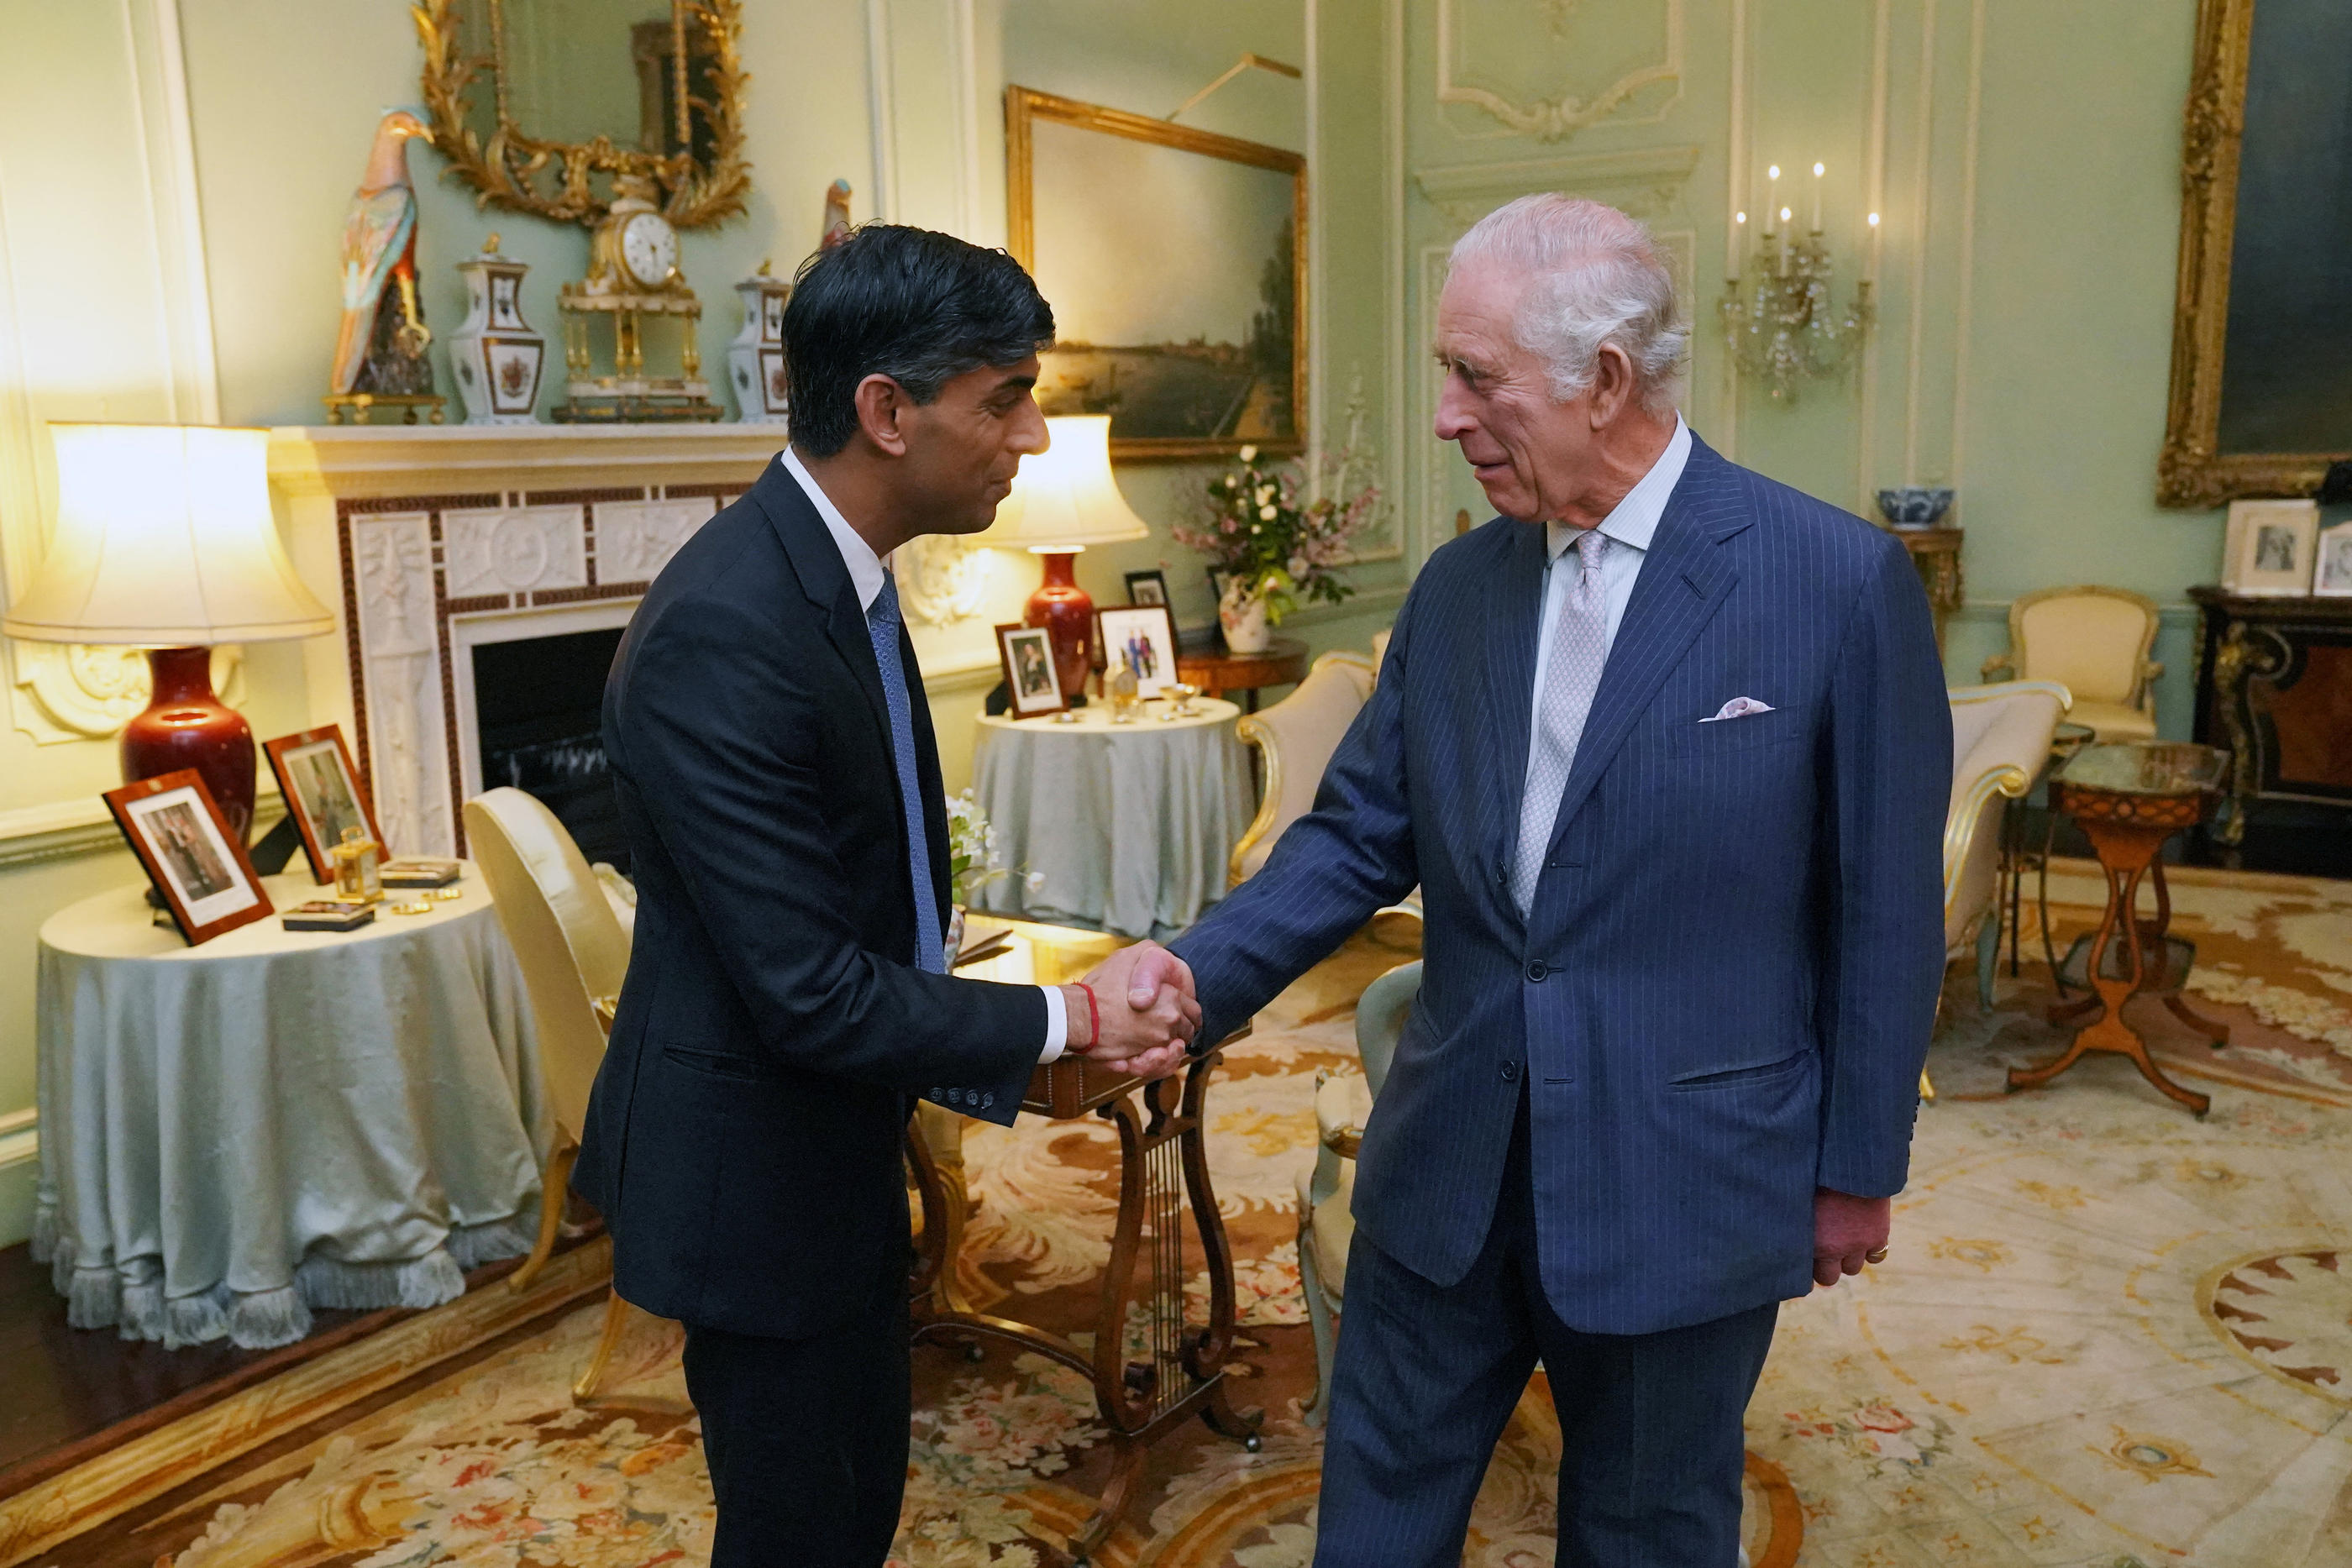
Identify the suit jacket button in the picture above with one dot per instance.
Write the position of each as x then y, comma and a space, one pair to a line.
988, 1100
1510, 1072
1538, 969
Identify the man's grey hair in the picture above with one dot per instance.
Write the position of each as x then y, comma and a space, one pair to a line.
1594, 277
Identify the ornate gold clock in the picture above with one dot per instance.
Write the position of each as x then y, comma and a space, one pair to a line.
633, 281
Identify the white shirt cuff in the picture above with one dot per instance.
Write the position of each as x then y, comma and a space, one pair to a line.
1057, 1025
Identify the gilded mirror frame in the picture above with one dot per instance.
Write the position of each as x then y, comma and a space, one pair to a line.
2192, 470
551, 179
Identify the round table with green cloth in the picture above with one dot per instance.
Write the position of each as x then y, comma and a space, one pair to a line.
1123, 826
237, 1133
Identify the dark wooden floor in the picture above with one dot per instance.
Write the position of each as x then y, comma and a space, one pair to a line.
66, 1393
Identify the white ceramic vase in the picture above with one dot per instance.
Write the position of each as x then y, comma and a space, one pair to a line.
1243, 617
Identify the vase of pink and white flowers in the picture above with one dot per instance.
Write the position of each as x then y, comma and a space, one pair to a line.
1276, 544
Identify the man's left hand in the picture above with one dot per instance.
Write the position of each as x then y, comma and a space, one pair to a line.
1846, 1231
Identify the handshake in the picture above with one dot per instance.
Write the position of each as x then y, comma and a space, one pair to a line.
1136, 1011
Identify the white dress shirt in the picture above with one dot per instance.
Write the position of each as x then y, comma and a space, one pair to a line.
1629, 526
865, 574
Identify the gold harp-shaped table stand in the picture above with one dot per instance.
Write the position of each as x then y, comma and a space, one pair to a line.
1142, 1390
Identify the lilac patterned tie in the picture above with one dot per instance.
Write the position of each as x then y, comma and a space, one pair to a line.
1580, 646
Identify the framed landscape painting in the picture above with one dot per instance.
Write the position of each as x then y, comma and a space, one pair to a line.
1176, 264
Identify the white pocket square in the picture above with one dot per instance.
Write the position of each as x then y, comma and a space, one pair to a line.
1737, 707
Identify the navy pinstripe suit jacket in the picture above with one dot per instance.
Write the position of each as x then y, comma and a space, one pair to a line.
1723, 992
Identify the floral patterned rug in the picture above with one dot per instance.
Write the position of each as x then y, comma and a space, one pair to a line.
2110, 1335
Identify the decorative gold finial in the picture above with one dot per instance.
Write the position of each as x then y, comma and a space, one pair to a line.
490, 246
764, 263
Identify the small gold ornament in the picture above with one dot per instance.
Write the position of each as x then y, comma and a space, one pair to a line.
358, 867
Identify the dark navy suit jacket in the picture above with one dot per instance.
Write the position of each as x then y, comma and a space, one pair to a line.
743, 1139
1723, 992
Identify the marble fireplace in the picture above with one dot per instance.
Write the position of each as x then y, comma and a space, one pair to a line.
483, 577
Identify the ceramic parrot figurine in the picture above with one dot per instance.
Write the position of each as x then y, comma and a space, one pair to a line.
380, 249
837, 215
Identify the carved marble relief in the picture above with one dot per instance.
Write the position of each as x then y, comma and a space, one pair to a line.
941, 580
635, 539
400, 675
514, 550
1549, 68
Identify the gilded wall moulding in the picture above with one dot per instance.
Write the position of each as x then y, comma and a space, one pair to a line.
67, 693
1532, 38
941, 581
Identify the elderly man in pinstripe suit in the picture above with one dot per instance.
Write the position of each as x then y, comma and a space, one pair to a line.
1666, 749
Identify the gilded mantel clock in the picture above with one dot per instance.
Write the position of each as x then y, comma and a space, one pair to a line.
633, 280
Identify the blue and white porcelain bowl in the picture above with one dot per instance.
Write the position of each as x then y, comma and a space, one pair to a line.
1915, 506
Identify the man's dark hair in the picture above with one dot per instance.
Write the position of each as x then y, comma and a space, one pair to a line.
919, 307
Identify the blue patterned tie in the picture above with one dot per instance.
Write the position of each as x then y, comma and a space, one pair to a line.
882, 625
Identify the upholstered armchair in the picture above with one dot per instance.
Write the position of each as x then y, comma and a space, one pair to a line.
1296, 739
2095, 642
1343, 1104
2001, 739
574, 954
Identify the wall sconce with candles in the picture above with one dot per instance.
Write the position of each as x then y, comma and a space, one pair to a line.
1781, 323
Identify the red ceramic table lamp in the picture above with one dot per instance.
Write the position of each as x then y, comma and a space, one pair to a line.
1064, 500
164, 540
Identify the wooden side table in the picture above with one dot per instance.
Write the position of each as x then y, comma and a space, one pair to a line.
1150, 1375
1217, 672
2129, 798
1935, 553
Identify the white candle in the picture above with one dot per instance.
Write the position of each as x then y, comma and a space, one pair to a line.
1818, 172
1870, 253
1789, 255
1771, 197
1735, 246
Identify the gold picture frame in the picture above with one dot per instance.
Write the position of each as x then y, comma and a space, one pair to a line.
551, 179
2192, 469
1026, 111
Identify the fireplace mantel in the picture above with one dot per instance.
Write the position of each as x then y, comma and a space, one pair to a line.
334, 461
429, 540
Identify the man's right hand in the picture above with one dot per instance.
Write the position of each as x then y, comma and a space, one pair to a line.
1143, 1010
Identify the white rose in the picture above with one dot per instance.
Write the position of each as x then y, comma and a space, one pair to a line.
1249, 454
1266, 513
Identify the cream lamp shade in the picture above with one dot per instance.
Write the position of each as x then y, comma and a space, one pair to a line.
1065, 498
164, 538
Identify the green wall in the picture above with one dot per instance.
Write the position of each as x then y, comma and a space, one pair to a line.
2031, 190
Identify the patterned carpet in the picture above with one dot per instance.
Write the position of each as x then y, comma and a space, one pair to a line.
2110, 1334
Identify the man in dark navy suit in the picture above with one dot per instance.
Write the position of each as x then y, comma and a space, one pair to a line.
788, 994
1666, 746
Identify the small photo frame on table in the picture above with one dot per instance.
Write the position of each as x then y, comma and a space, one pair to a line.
2332, 577
1144, 636
2269, 546
1147, 587
184, 845
1031, 687
323, 793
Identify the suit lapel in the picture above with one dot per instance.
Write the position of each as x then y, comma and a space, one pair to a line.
1511, 633
825, 578
1682, 585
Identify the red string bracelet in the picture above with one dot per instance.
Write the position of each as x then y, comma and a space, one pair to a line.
1094, 1017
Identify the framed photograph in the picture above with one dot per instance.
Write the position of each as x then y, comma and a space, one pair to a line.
323, 793
1147, 587
2268, 547
2333, 578
1144, 635
1176, 261
1030, 681
196, 864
